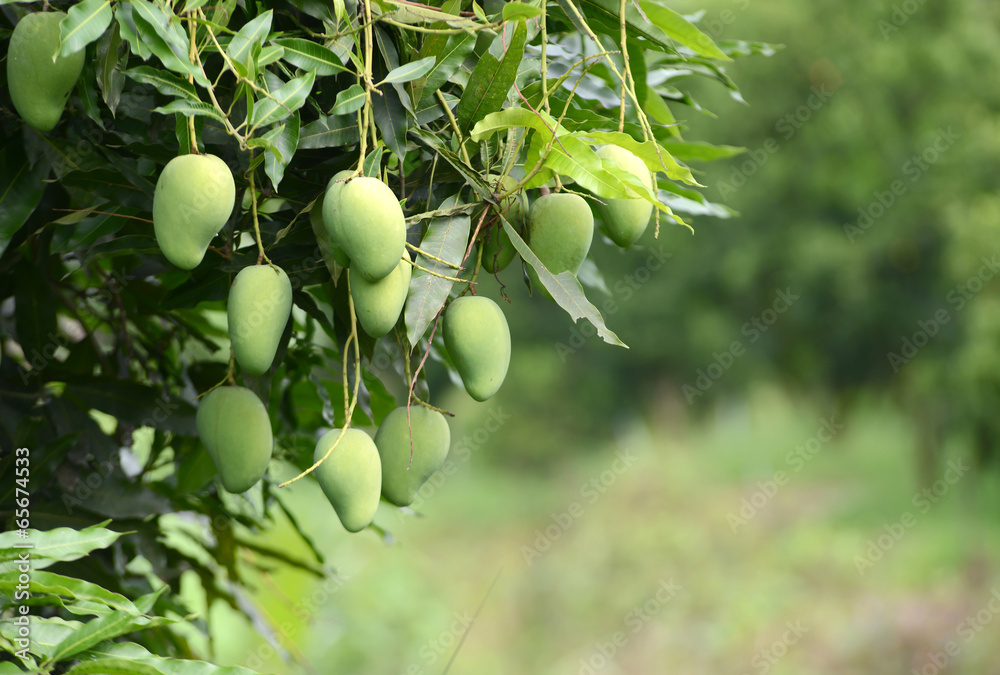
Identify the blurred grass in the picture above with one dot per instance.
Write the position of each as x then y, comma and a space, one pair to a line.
402, 607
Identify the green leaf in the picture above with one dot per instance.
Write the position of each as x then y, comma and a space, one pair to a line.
677, 27
409, 71
310, 56
446, 238
285, 142
518, 11
286, 99
165, 82
391, 119
130, 31
85, 597
190, 108
454, 53
269, 54
156, 35
21, 189
109, 76
413, 13
107, 627
603, 16
46, 634
168, 666
656, 157
113, 667
253, 33
62, 544
85, 22
701, 152
349, 100
329, 132
372, 165
565, 289
491, 80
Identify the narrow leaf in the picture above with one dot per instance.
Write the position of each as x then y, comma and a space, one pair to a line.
85, 22
310, 56
189, 109
491, 80
287, 99
165, 82
349, 100
518, 11
409, 71
62, 544
682, 30
253, 33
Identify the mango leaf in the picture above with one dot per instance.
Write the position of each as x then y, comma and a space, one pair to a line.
391, 118
677, 27
287, 99
190, 108
656, 157
240, 48
285, 142
564, 288
87, 598
113, 667
168, 666
518, 11
701, 152
433, 44
413, 13
46, 633
453, 54
430, 109
109, 626
166, 24
21, 189
491, 80
603, 17
329, 132
446, 238
373, 162
109, 76
269, 55
310, 56
165, 82
85, 22
149, 23
349, 100
62, 544
130, 32
409, 71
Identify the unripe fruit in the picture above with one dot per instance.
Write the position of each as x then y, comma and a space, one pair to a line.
194, 196
431, 439
351, 477
260, 302
39, 87
478, 339
624, 220
378, 303
498, 251
370, 226
329, 204
235, 429
560, 230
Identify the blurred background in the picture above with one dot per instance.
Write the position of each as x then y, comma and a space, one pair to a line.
793, 469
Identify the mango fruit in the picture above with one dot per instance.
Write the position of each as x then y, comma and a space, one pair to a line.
624, 220
369, 226
478, 339
378, 303
260, 302
560, 231
431, 439
498, 252
39, 87
351, 477
328, 205
194, 197
235, 429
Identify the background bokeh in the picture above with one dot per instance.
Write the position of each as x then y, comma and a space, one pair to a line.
793, 469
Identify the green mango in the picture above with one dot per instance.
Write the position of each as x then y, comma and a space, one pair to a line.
39, 87
624, 220
560, 231
351, 477
478, 339
498, 251
260, 302
431, 439
328, 205
234, 427
369, 226
378, 303
194, 197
